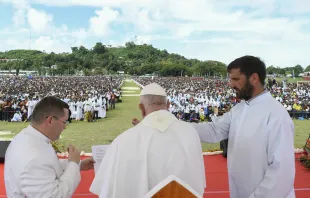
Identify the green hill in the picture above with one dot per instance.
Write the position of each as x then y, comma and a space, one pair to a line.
101, 59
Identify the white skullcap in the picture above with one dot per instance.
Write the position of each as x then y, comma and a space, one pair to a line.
153, 89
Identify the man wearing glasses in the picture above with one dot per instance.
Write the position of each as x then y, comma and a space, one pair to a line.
32, 168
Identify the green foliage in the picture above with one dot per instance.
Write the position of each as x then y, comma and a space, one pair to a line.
287, 70
307, 69
101, 59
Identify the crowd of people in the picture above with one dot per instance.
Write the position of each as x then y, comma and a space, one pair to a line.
192, 99
88, 97
198, 99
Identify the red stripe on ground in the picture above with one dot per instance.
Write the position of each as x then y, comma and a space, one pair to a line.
217, 180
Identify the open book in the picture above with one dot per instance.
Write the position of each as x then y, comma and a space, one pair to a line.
172, 187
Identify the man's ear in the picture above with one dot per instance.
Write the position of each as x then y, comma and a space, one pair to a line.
168, 104
142, 109
255, 79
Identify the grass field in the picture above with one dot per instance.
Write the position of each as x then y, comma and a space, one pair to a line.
84, 135
291, 80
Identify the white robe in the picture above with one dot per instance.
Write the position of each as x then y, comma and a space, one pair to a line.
102, 112
260, 156
146, 154
17, 117
72, 109
32, 168
30, 104
79, 110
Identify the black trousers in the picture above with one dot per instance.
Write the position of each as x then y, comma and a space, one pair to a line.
224, 147
95, 115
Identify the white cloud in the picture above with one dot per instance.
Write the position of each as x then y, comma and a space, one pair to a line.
99, 25
295, 7
143, 21
204, 29
49, 44
39, 21
80, 34
19, 17
20, 11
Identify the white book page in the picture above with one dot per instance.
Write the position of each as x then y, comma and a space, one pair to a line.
98, 152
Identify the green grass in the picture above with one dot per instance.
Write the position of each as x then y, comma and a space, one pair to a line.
83, 134
291, 80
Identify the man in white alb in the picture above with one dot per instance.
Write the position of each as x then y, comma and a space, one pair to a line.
159, 146
260, 131
32, 168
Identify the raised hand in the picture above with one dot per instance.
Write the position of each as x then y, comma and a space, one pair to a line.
135, 121
87, 164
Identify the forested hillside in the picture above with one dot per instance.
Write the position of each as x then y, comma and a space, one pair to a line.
132, 59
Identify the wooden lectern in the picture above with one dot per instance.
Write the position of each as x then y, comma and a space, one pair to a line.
172, 187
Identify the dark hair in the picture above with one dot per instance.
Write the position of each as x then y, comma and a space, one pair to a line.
249, 65
48, 106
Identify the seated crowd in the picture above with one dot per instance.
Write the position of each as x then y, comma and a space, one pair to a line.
88, 97
195, 99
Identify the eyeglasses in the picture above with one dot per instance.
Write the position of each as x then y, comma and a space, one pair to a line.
65, 122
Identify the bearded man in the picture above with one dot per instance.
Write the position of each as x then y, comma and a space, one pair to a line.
260, 133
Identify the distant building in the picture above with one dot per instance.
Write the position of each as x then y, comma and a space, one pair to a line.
54, 67
7, 59
21, 72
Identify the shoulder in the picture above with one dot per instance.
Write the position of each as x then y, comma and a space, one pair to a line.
25, 146
278, 113
238, 106
183, 125
131, 133
275, 107
184, 128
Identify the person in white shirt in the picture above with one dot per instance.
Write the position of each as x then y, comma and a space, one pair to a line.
17, 117
30, 105
32, 168
159, 146
261, 161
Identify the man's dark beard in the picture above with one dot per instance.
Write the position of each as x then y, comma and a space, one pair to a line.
246, 91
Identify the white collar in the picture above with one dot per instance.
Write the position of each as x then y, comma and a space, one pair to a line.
159, 120
37, 134
258, 98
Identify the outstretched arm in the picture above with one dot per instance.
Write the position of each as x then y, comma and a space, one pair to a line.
216, 131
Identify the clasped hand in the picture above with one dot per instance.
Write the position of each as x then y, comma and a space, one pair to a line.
74, 155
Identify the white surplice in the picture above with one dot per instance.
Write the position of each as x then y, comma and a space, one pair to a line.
260, 156
144, 155
30, 104
79, 110
32, 168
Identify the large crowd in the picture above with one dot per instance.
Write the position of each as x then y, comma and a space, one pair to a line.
192, 99
196, 99
88, 97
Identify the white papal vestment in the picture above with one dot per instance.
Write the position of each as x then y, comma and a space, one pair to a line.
32, 168
261, 161
146, 154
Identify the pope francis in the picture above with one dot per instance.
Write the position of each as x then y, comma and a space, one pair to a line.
159, 146
32, 168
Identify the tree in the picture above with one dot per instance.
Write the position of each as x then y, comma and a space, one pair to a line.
307, 68
99, 48
298, 69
